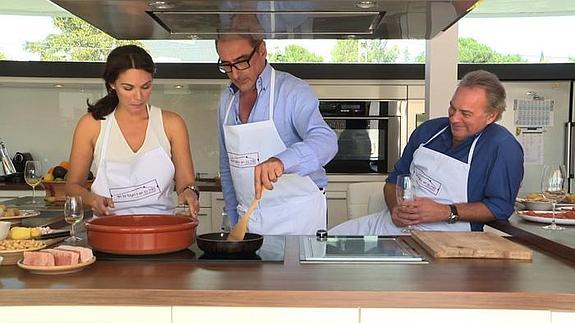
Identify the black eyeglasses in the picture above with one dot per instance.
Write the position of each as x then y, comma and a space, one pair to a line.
239, 65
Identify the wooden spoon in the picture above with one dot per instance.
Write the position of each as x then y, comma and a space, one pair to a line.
239, 230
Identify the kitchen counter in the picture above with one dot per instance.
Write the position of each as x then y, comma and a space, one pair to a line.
547, 282
207, 186
561, 243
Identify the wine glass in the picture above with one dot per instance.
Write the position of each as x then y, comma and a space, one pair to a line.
33, 175
73, 214
553, 187
405, 191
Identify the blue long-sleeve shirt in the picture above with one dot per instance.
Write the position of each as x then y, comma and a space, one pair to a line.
310, 142
496, 169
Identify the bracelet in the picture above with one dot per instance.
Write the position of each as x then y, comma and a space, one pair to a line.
193, 188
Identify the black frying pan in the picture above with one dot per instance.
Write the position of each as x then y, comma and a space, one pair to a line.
216, 243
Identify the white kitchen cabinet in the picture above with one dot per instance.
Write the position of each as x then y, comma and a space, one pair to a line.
205, 220
85, 314
204, 314
562, 317
336, 208
217, 210
204, 214
336, 194
418, 315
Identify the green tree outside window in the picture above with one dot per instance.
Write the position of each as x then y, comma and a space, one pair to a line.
294, 53
79, 41
472, 51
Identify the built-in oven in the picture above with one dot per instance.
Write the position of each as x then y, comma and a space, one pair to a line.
369, 134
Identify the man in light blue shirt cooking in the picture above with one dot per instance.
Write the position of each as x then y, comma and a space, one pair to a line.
272, 136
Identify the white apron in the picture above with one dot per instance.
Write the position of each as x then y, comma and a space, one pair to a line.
438, 177
141, 187
295, 205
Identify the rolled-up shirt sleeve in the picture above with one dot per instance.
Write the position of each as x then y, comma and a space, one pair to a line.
504, 179
318, 143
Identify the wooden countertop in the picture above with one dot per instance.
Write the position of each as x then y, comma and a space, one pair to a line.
547, 282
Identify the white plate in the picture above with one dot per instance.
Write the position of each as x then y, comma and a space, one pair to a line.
56, 270
23, 214
540, 219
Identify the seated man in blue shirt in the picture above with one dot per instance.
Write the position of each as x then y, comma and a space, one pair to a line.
466, 169
273, 136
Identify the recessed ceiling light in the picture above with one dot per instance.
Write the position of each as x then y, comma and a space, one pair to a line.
59, 85
365, 4
178, 86
161, 5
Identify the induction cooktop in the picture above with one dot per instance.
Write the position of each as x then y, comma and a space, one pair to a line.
272, 250
357, 249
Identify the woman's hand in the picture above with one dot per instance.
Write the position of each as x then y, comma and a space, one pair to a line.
101, 205
190, 198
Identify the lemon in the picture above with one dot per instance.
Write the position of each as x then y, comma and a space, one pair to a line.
35, 232
20, 233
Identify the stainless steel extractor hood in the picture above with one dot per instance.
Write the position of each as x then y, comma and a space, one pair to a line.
316, 19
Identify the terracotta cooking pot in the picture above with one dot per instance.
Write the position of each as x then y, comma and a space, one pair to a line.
145, 234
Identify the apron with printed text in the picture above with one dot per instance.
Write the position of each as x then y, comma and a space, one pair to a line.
143, 186
436, 176
295, 205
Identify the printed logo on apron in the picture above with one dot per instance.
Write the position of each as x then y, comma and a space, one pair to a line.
425, 182
136, 192
244, 160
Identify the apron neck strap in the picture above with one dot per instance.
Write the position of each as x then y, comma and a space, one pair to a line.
471, 150
470, 156
104, 150
434, 136
272, 93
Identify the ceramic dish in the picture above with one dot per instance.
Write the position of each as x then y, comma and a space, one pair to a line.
537, 205
40, 245
544, 217
141, 234
23, 214
55, 270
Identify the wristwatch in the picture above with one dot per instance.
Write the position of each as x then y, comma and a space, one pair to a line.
194, 189
453, 215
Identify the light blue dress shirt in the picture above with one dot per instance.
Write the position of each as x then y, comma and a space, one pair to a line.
310, 142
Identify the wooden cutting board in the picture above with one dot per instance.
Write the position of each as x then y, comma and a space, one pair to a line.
470, 245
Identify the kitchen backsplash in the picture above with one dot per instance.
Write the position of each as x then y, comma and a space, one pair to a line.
39, 117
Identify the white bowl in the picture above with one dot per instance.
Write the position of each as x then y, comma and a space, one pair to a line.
537, 205
4, 229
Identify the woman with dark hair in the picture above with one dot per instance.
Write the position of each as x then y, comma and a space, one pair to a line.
138, 150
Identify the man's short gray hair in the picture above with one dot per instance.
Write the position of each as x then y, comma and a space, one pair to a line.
242, 27
493, 87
